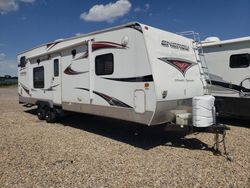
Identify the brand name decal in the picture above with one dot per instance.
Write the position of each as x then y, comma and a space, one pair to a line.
183, 80
174, 45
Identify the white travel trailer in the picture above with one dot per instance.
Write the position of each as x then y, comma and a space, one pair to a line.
228, 63
131, 72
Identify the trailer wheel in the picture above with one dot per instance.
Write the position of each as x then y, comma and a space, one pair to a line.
41, 113
50, 116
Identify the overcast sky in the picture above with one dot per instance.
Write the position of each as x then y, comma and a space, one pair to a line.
27, 23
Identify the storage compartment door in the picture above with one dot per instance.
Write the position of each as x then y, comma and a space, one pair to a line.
139, 101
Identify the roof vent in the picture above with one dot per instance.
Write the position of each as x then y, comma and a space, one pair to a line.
212, 39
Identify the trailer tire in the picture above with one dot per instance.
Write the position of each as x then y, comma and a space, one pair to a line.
41, 113
50, 116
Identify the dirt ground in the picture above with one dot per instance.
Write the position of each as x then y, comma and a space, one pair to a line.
88, 151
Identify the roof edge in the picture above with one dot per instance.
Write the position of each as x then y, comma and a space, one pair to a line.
85, 35
230, 41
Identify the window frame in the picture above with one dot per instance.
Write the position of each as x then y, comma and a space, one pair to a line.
96, 64
233, 65
34, 83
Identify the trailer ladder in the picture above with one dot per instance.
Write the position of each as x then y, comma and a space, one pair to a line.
200, 58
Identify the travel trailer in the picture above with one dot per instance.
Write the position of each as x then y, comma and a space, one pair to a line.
132, 72
228, 63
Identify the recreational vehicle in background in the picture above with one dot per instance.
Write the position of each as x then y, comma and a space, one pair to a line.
228, 63
132, 72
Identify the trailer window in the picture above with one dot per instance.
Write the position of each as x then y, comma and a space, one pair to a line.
104, 64
56, 67
38, 77
240, 60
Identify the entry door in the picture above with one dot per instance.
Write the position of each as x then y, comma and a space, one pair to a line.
56, 80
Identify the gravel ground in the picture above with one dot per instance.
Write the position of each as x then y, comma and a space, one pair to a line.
88, 151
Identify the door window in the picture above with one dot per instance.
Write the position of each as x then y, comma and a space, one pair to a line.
38, 77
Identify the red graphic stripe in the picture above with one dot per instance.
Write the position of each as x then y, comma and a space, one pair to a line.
70, 71
180, 65
104, 45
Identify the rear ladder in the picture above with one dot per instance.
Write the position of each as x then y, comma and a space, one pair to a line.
200, 58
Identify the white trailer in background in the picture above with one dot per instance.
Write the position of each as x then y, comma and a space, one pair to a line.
228, 63
132, 72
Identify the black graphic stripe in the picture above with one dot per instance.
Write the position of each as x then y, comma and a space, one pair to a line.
51, 45
51, 88
136, 27
148, 78
26, 89
111, 100
85, 89
229, 86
